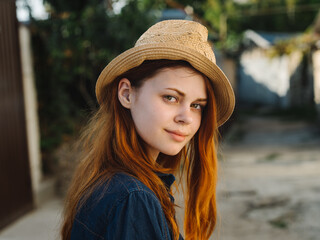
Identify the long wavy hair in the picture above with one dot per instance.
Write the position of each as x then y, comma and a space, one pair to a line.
111, 144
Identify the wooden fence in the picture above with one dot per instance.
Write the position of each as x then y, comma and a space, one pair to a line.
15, 182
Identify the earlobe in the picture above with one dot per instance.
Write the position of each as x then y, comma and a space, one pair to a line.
124, 92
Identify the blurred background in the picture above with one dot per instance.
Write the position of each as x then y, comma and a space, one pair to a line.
52, 52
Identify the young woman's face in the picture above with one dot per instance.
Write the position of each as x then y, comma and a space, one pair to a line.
167, 109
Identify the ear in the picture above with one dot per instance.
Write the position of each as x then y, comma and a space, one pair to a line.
125, 92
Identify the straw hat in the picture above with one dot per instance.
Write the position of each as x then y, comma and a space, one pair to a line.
174, 40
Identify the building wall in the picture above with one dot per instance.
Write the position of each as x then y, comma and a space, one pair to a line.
316, 79
15, 180
228, 66
30, 102
301, 83
265, 80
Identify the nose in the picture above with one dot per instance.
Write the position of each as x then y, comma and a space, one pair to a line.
184, 116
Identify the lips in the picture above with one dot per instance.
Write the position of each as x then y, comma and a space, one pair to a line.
177, 135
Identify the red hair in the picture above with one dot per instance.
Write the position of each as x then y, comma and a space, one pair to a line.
111, 144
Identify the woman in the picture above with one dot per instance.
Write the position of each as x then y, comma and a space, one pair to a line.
161, 103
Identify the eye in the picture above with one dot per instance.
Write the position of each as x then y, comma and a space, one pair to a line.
197, 106
170, 98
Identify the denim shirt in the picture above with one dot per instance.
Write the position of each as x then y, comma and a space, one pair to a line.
123, 209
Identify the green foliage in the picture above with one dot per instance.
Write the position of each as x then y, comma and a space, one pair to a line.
230, 44
274, 15
70, 50
212, 12
302, 43
68, 6
229, 18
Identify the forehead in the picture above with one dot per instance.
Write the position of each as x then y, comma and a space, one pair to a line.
183, 79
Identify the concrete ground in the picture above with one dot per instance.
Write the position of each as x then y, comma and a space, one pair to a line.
269, 186
270, 180
40, 224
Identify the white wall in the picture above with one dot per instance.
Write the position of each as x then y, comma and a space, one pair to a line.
266, 80
30, 101
316, 79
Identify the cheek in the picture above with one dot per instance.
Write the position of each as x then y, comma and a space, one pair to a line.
148, 115
197, 123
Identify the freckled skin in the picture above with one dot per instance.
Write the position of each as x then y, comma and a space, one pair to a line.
165, 119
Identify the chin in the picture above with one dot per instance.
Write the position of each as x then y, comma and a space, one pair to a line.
171, 152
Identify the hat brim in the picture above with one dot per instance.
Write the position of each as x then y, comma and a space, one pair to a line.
135, 56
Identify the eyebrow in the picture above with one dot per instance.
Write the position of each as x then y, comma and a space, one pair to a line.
183, 94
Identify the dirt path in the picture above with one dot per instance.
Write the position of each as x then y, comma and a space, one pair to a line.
270, 181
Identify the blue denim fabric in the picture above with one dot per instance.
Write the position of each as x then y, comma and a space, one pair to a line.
123, 209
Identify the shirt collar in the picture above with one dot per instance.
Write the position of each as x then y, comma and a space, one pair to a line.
167, 178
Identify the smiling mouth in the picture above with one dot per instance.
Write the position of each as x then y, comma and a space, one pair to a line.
177, 136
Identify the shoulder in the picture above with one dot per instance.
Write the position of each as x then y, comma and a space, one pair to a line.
122, 183
120, 200
117, 190
120, 187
